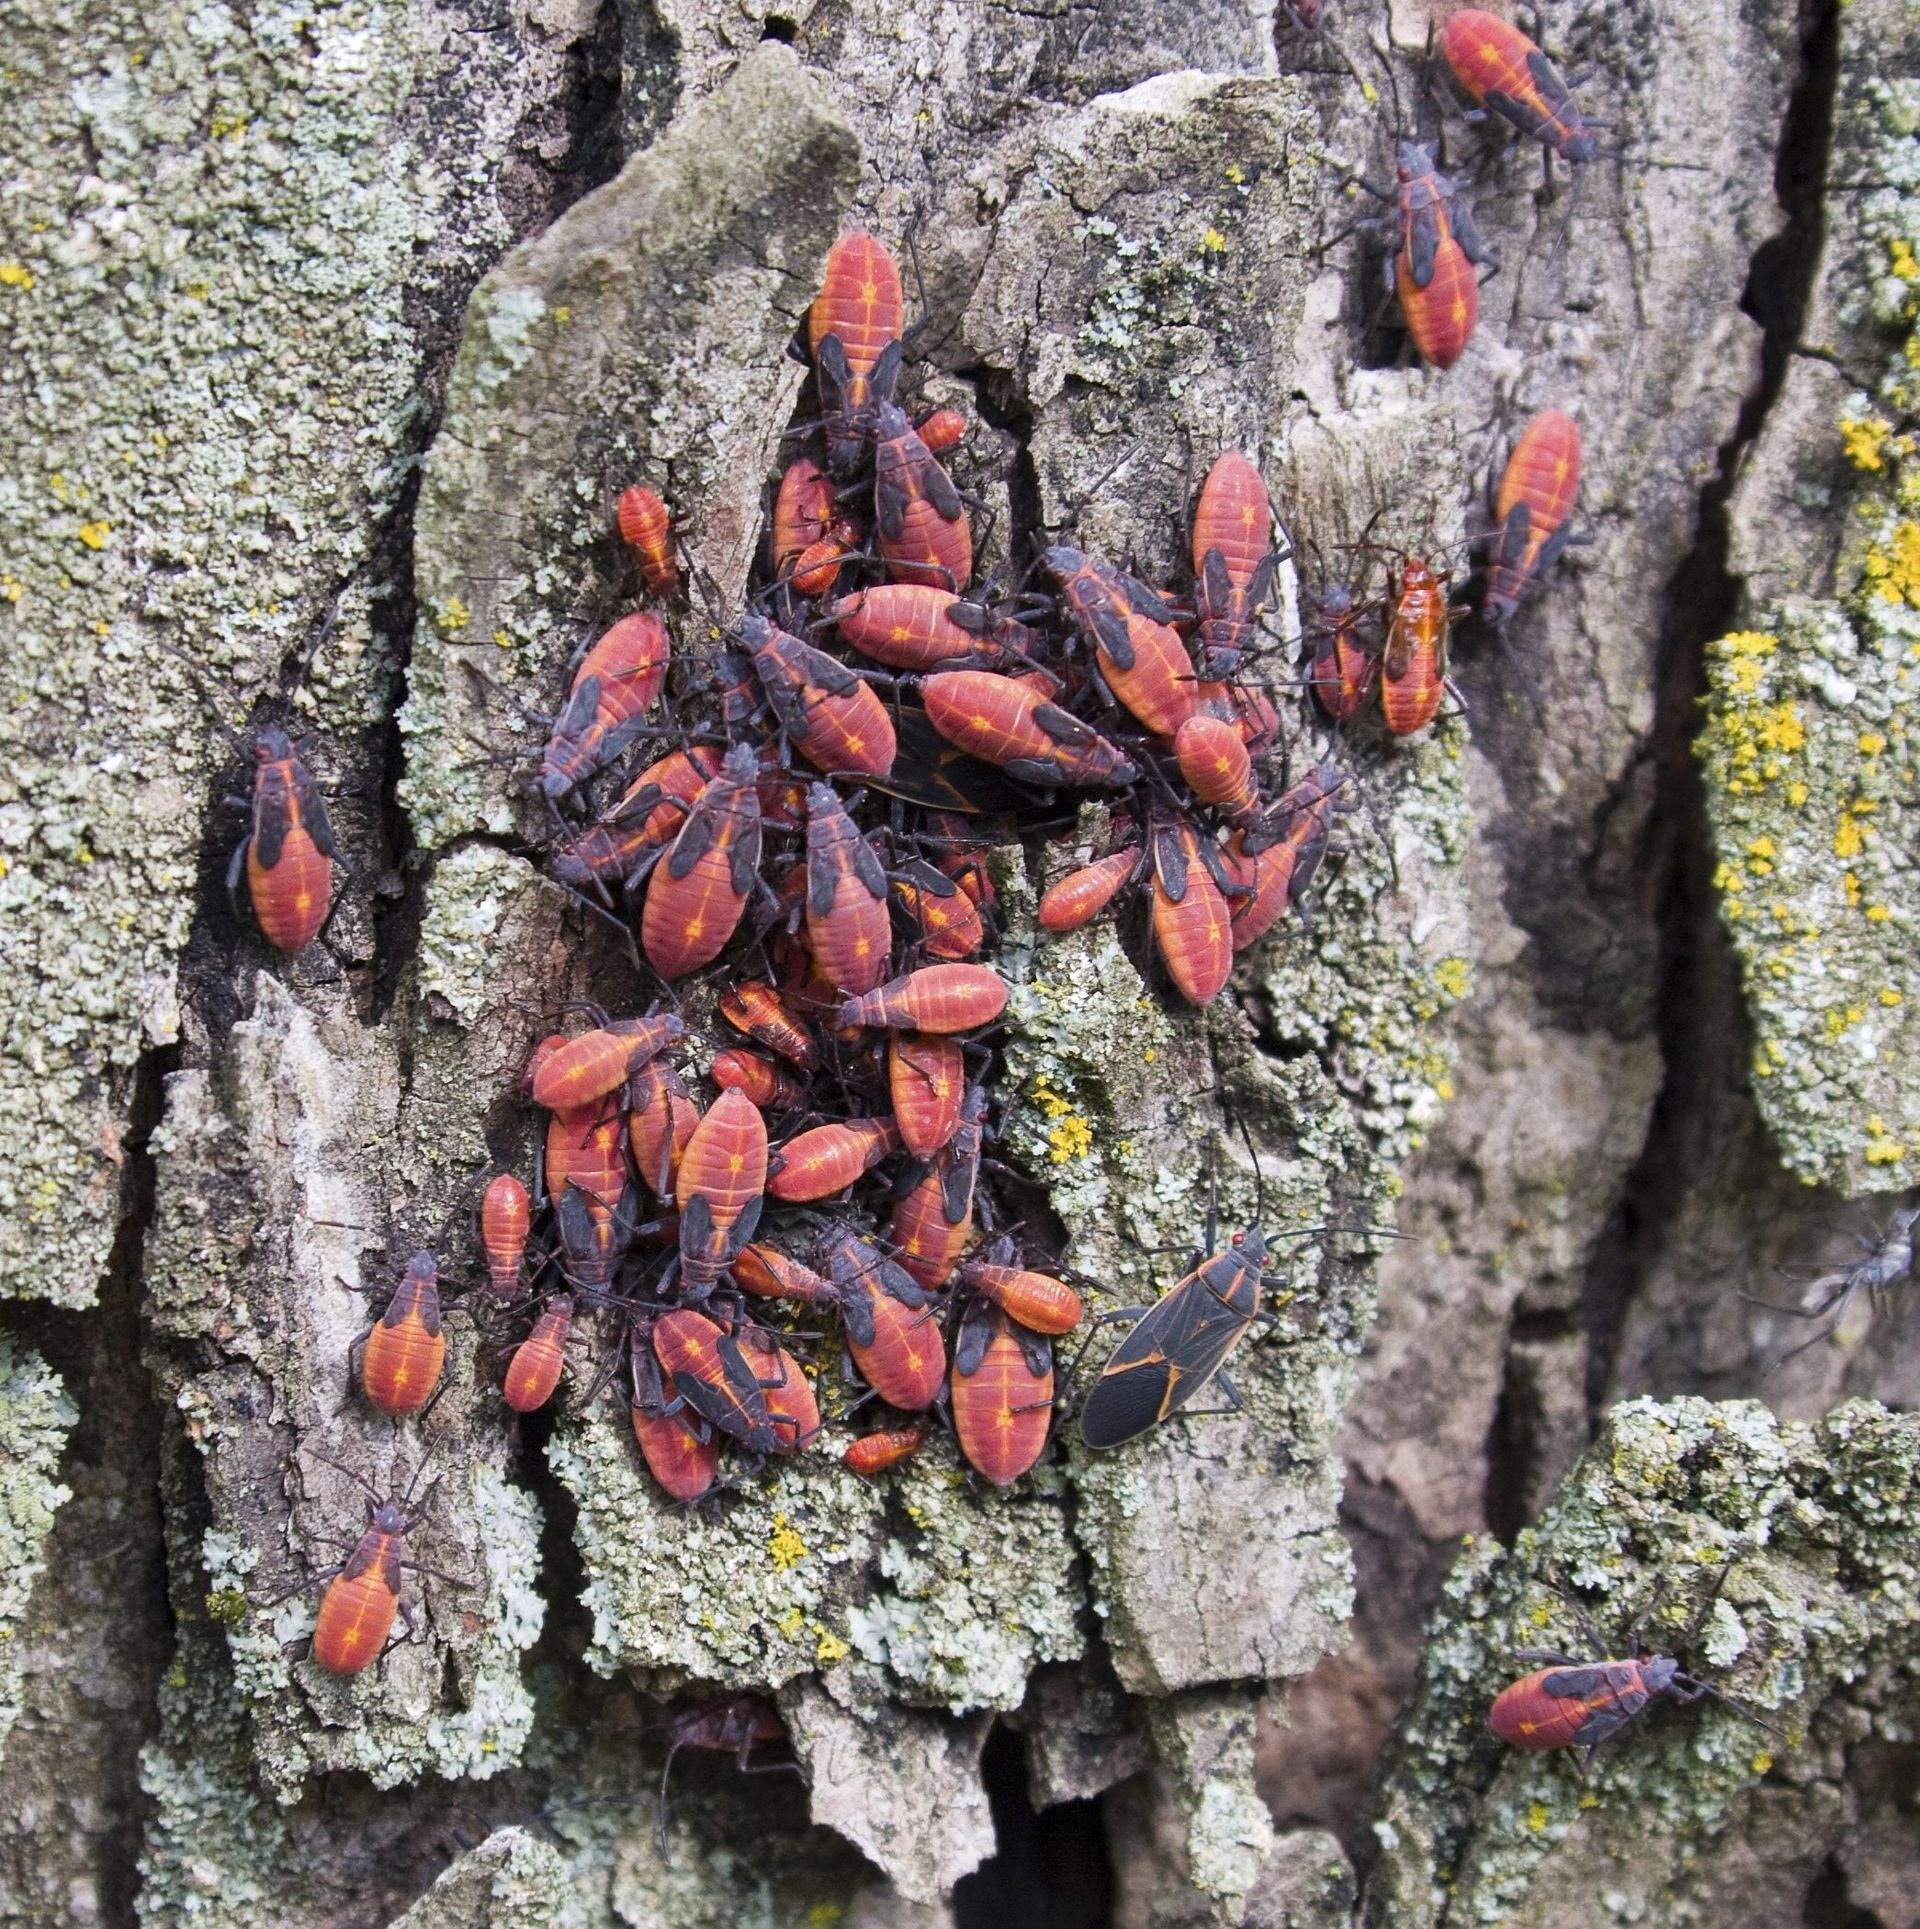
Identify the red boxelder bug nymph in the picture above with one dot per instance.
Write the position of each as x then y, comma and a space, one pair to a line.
1433, 269
1533, 512
1001, 1393
405, 1349
1500, 69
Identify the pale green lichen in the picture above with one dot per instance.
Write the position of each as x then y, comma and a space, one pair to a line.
1817, 1624
36, 1417
471, 892
214, 375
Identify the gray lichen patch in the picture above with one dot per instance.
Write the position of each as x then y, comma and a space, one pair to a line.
1139, 286
1205, 1739
512, 1880
1806, 1533
210, 376
275, 1185
928, 1592
641, 337
1809, 757
36, 1416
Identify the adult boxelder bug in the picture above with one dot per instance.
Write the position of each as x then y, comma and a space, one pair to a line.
506, 1214
1500, 69
1006, 723
1433, 269
1002, 1393
1179, 1345
732, 1726
699, 889
681, 1451
288, 854
849, 927
834, 720
647, 530
606, 707
926, 1079
1100, 598
1533, 512
891, 1329
1191, 924
405, 1349
827, 1159
936, 998
853, 329
1234, 562
920, 521
721, 1188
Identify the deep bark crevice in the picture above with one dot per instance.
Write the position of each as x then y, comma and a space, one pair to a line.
110, 1536
1697, 975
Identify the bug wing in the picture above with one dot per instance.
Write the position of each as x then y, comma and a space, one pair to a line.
312, 809
1422, 242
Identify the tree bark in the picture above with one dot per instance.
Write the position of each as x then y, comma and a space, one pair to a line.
330, 335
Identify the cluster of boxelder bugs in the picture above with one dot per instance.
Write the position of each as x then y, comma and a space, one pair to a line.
841, 913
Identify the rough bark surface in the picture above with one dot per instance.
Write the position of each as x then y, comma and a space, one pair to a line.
329, 335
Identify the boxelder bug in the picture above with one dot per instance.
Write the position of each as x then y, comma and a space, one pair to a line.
1888, 1260
936, 998
405, 1349
699, 889
920, 520
827, 1159
926, 1079
891, 1330
506, 1214
753, 1006
834, 720
681, 1451
1433, 269
289, 853
874, 1453
1080, 896
607, 704
1191, 925
1571, 1703
732, 1726
600, 1061
1002, 1393
849, 927
1533, 512
647, 530
720, 1188
853, 329
1413, 667
1234, 562
1008, 724
540, 1358
1500, 69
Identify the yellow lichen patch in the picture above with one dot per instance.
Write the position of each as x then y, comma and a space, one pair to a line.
1213, 241
1538, 1816
94, 534
1071, 1138
454, 616
784, 1546
1892, 567
1848, 838
1871, 743
1865, 441
15, 274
